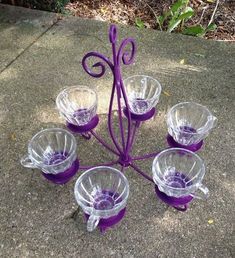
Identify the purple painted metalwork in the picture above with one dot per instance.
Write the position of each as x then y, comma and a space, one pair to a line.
180, 203
142, 117
84, 128
104, 224
172, 143
65, 176
122, 144
103, 164
123, 147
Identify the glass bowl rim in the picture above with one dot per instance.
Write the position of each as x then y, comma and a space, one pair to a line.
72, 88
157, 93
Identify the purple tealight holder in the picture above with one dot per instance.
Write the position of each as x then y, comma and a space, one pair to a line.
140, 117
176, 188
84, 128
108, 223
53, 151
188, 124
173, 144
180, 203
102, 193
65, 176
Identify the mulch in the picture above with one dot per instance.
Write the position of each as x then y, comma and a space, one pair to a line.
126, 12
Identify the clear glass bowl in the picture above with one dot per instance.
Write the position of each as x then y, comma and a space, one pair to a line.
51, 150
143, 93
189, 123
101, 192
179, 172
77, 104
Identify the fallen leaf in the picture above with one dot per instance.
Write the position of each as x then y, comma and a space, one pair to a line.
182, 61
13, 137
166, 93
103, 10
210, 1
200, 55
210, 221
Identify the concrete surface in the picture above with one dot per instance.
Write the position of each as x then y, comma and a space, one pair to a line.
38, 219
19, 29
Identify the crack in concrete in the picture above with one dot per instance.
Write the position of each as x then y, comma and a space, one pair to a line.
74, 214
92, 36
32, 43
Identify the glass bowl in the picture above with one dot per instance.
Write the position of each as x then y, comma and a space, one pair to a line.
189, 123
179, 172
143, 93
77, 104
101, 192
51, 150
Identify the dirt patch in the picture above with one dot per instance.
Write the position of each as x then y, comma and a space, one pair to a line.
126, 12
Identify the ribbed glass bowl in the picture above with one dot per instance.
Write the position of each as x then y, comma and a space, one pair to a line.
189, 123
77, 104
51, 150
143, 93
102, 191
178, 172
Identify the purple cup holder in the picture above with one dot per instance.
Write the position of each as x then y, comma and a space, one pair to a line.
84, 128
140, 117
108, 223
65, 176
173, 144
179, 203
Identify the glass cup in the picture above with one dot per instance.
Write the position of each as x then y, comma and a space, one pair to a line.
179, 172
189, 123
101, 192
53, 151
77, 104
143, 93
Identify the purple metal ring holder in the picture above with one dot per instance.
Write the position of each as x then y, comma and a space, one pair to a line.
177, 180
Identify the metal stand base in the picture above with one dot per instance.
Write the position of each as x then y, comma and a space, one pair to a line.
65, 176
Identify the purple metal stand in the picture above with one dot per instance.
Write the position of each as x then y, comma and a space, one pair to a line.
142, 117
105, 224
122, 143
180, 203
172, 143
84, 128
65, 176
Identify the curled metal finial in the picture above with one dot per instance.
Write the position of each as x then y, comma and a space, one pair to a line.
100, 64
113, 34
126, 56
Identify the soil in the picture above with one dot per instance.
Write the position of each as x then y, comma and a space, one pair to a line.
126, 12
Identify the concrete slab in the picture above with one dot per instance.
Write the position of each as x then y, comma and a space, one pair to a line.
42, 220
19, 28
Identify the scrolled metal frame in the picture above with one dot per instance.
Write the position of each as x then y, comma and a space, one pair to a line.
123, 149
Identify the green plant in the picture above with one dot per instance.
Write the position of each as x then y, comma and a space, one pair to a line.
199, 30
139, 23
175, 19
177, 15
